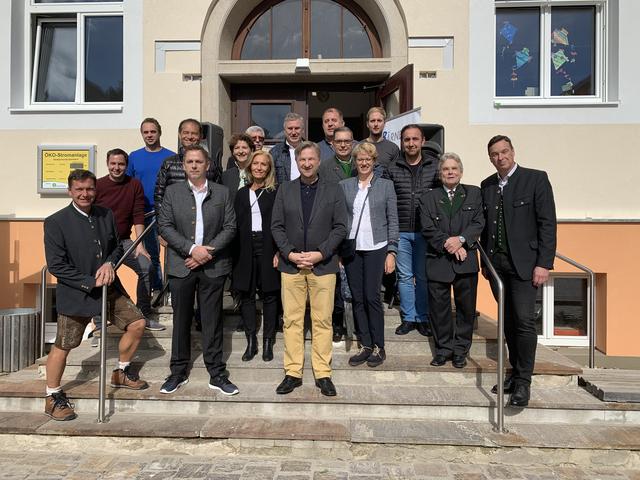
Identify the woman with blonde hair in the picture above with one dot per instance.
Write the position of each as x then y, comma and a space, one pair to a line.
255, 256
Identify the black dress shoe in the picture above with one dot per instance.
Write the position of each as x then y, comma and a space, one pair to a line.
267, 349
459, 361
405, 327
439, 360
288, 385
326, 386
424, 329
252, 348
508, 386
520, 395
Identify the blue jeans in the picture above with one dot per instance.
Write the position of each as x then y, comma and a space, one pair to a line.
412, 277
152, 245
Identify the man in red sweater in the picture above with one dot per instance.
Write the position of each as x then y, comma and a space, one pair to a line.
124, 195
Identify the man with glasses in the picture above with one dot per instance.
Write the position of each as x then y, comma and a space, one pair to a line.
333, 170
257, 136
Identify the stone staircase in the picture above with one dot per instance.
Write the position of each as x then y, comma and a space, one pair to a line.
403, 401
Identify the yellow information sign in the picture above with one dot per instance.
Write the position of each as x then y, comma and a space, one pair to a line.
56, 162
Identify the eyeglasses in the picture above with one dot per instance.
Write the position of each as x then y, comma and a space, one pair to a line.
342, 142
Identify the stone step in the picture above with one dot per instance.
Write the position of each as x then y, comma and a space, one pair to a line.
481, 360
563, 405
612, 385
363, 430
409, 344
485, 331
272, 374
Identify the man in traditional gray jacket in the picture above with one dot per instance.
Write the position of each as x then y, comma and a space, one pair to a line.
198, 222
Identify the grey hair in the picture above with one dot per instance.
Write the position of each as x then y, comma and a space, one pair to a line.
291, 116
254, 129
307, 144
450, 155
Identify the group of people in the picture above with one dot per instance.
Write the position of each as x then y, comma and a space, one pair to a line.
282, 224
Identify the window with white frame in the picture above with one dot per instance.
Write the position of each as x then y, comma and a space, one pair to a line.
550, 49
562, 310
77, 52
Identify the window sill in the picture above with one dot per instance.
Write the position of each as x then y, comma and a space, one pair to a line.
545, 102
67, 109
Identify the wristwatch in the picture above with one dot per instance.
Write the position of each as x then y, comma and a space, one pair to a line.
462, 239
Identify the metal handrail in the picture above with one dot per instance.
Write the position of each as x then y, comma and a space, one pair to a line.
500, 340
43, 301
103, 328
592, 306
102, 384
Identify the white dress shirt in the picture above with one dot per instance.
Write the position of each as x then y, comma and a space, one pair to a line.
295, 173
503, 181
256, 216
199, 194
364, 241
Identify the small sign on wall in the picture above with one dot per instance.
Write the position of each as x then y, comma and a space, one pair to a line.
55, 162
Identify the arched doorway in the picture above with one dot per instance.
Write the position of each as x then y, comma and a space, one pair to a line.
251, 72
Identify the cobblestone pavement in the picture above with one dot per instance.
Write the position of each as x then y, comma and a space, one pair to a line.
61, 464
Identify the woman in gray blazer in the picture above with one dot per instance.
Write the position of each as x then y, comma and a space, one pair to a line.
373, 227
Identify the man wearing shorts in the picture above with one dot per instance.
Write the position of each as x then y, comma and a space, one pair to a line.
81, 246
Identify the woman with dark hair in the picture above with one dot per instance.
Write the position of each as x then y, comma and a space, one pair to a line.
255, 257
235, 176
373, 235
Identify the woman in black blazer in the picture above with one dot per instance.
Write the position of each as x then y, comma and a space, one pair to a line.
255, 256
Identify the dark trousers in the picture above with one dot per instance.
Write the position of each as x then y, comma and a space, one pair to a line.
519, 324
453, 337
152, 244
364, 273
337, 317
183, 292
269, 299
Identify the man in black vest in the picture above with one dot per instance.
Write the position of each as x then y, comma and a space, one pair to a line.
520, 239
81, 245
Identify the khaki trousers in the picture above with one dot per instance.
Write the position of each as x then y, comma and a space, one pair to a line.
295, 288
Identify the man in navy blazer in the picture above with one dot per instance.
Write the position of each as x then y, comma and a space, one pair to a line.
308, 223
520, 240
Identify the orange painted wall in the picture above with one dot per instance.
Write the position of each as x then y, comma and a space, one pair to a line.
608, 248
22, 259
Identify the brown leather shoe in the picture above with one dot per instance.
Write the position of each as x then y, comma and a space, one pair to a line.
127, 379
58, 407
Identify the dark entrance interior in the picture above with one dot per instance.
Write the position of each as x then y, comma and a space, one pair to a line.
267, 105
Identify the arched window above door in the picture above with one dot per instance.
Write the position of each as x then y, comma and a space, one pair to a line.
284, 29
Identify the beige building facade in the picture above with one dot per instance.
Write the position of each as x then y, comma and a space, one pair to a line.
557, 76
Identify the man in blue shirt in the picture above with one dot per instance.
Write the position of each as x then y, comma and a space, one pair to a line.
144, 165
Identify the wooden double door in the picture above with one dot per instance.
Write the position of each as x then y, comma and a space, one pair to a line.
267, 105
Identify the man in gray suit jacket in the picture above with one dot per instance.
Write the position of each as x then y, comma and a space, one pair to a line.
308, 223
520, 239
198, 222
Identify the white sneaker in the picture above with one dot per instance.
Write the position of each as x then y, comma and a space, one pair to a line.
154, 325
